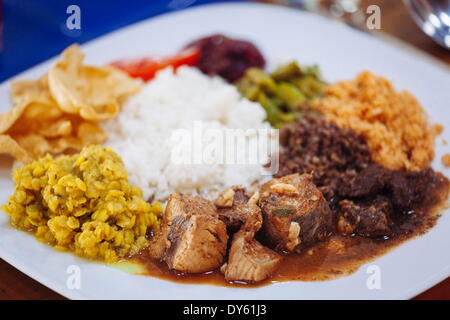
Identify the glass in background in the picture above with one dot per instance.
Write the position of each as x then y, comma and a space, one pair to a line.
433, 17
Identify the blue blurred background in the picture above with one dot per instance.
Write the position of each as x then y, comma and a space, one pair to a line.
35, 30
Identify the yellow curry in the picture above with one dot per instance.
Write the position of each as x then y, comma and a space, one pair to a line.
83, 203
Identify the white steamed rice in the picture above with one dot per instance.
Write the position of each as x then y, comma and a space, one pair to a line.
142, 132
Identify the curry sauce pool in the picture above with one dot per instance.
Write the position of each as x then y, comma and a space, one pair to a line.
339, 256
82, 203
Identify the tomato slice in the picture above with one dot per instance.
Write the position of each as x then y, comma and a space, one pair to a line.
146, 68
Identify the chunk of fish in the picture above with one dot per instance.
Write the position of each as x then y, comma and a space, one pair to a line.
296, 215
249, 260
232, 207
192, 238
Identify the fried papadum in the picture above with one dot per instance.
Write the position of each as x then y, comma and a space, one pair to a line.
60, 111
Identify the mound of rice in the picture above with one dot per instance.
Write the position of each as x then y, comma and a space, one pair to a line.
142, 133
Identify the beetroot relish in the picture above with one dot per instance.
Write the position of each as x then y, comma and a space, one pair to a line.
228, 58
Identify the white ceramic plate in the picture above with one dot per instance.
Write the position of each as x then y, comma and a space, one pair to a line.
282, 34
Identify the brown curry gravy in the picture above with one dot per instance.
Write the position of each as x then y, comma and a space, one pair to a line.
339, 256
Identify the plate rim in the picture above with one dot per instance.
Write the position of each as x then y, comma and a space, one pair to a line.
383, 38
